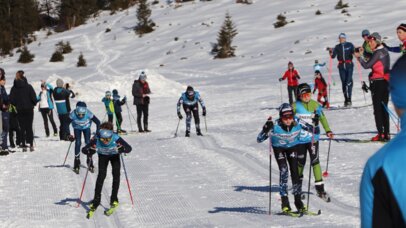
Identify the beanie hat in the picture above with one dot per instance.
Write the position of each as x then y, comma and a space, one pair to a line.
375, 36
81, 104
108, 93
317, 72
316, 61
59, 83
342, 35
402, 27
365, 32
115, 92
398, 83
290, 63
143, 76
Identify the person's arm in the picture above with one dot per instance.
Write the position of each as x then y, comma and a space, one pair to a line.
368, 64
97, 122
123, 101
297, 74
395, 49
333, 52
123, 146
264, 134
323, 64
180, 102
90, 148
33, 96
72, 94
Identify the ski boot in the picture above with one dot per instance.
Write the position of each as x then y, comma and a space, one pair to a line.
4, 152
299, 204
377, 138
24, 148
76, 165
55, 134
112, 209
285, 204
91, 211
91, 168
31, 148
321, 193
146, 128
187, 134
198, 132
385, 137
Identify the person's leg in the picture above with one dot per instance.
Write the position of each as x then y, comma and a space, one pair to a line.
29, 129
103, 163
385, 100
290, 93
78, 141
295, 92
145, 111
86, 136
283, 177
11, 138
291, 156
349, 73
314, 158
301, 160
116, 167
188, 113
110, 118
23, 126
51, 118
119, 119
45, 119
195, 112
342, 73
61, 128
6, 126
139, 115
376, 102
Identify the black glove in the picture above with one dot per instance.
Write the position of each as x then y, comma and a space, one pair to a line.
180, 116
71, 138
365, 87
280, 79
315, 119
268, 125
92, 150
204, 112
121, 149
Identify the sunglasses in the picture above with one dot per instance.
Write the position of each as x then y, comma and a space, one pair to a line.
105, 140
306, 95
371, 38
81, 115
290, 117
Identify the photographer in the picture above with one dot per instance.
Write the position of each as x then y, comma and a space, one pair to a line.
378, 83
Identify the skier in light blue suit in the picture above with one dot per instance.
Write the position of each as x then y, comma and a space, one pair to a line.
383, 185
317, 66
81, 119
190, 100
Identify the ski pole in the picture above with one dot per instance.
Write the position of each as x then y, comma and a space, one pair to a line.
392, 116
66, 156
129, 117
126, 177
205, 123
325, 174
360, 78
176, 132
330, 64
270, 175
84, 182
313, 147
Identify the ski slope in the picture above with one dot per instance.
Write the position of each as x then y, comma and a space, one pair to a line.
221, 179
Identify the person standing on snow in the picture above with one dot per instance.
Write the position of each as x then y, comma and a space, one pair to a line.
81, 119
117, 110
109, 105
190, 100
321, 85
383, 183
401, 31
379, 62
5, 115
292, 75
46, 106
108, 146
62, 103
365, 46
312, 113
344, 51
140, 92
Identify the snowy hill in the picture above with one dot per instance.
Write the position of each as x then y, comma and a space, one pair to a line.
221, 179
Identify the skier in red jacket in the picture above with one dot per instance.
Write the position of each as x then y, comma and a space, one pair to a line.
292, 75
321, 85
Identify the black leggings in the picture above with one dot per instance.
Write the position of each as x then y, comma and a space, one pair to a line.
292, 92
142, 109
25, 119
116, 166
284, 156
48, 113
380, 96
189, 110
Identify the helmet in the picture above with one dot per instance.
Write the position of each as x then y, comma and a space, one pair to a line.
303, 88
80, 111
108, 94
81, 104
105, 135
190, 91
285, 110
115, 92
365, 32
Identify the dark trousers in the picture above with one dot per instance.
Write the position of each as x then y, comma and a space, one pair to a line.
189, 110
48, 113
78, 139
380, 96
64, 126
116, 166
314, 160
346, 80
5, 116
142, 109
292, 92
25, 119
119, 119
285, 156
110, 118
14, 127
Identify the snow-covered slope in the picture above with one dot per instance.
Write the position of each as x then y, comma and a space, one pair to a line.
221, 179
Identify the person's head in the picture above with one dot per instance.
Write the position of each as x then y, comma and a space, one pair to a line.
398, 85
115, 92
304, 92
20, 75
317, 74
342, 38
286, 114
374, 40
142, 77
107, 94
67, 86
59, 83
81, 109
43, 87
190, 93
316, 61
2, 77
290, 65
106, 132
401, 31
365, 33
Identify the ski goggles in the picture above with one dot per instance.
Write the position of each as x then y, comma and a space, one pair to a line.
306, 95
287, 117
81, 112
105, 135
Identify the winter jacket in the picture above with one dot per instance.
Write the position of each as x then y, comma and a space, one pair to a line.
118, 103
61, 97
49, 96
383, 185
344, 52
320, 85
109, 105
138, 90
379, 63
22, 96
185, 101
115, 146
4, 100
292, 76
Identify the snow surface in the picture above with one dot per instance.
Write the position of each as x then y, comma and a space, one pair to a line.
221, 179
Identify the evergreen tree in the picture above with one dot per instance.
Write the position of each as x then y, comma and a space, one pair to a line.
26, 56
225, 38
73, 13
145, 24
81, 61
57, 56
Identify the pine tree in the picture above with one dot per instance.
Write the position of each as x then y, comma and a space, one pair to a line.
225, 37
26, 56
81, 61
57, 56
73, 13
145, 24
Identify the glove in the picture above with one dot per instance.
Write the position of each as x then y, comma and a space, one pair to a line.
180, 115
204, 112
280, 79
315, 119
365, 87
268, 125
92, 150
71, 138
120, 148
125, 99
330, 134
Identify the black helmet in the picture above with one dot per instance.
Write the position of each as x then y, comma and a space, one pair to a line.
190, 91
303, 88
285, 110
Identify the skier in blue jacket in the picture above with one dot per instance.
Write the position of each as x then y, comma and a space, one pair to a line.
286, 134
383, 185
190, 100
81, 119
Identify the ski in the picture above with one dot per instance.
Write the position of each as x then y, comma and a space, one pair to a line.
348, 140
333, 108
312, 213
294, 214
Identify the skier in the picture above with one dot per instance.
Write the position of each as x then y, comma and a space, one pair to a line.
383, 184
109, 105
117, 110
285, 138
190, 100
321, 85
292, 75
344, 51
140, 92
81, 119
317, 66
62, 103
46, 106
108, 146
379, 62
401, 31
365, 46
5, 115
311, 112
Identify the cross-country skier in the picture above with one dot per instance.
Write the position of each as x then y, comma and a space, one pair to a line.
190, 100
285, 135
293, 80
311, 112
108, 146
383, 184
320, 85
318, 66
81, 119
109, 105
401, 31
117, 110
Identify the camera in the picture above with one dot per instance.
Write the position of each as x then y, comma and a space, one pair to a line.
357, 49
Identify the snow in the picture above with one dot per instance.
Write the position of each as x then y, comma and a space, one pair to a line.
221, 179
